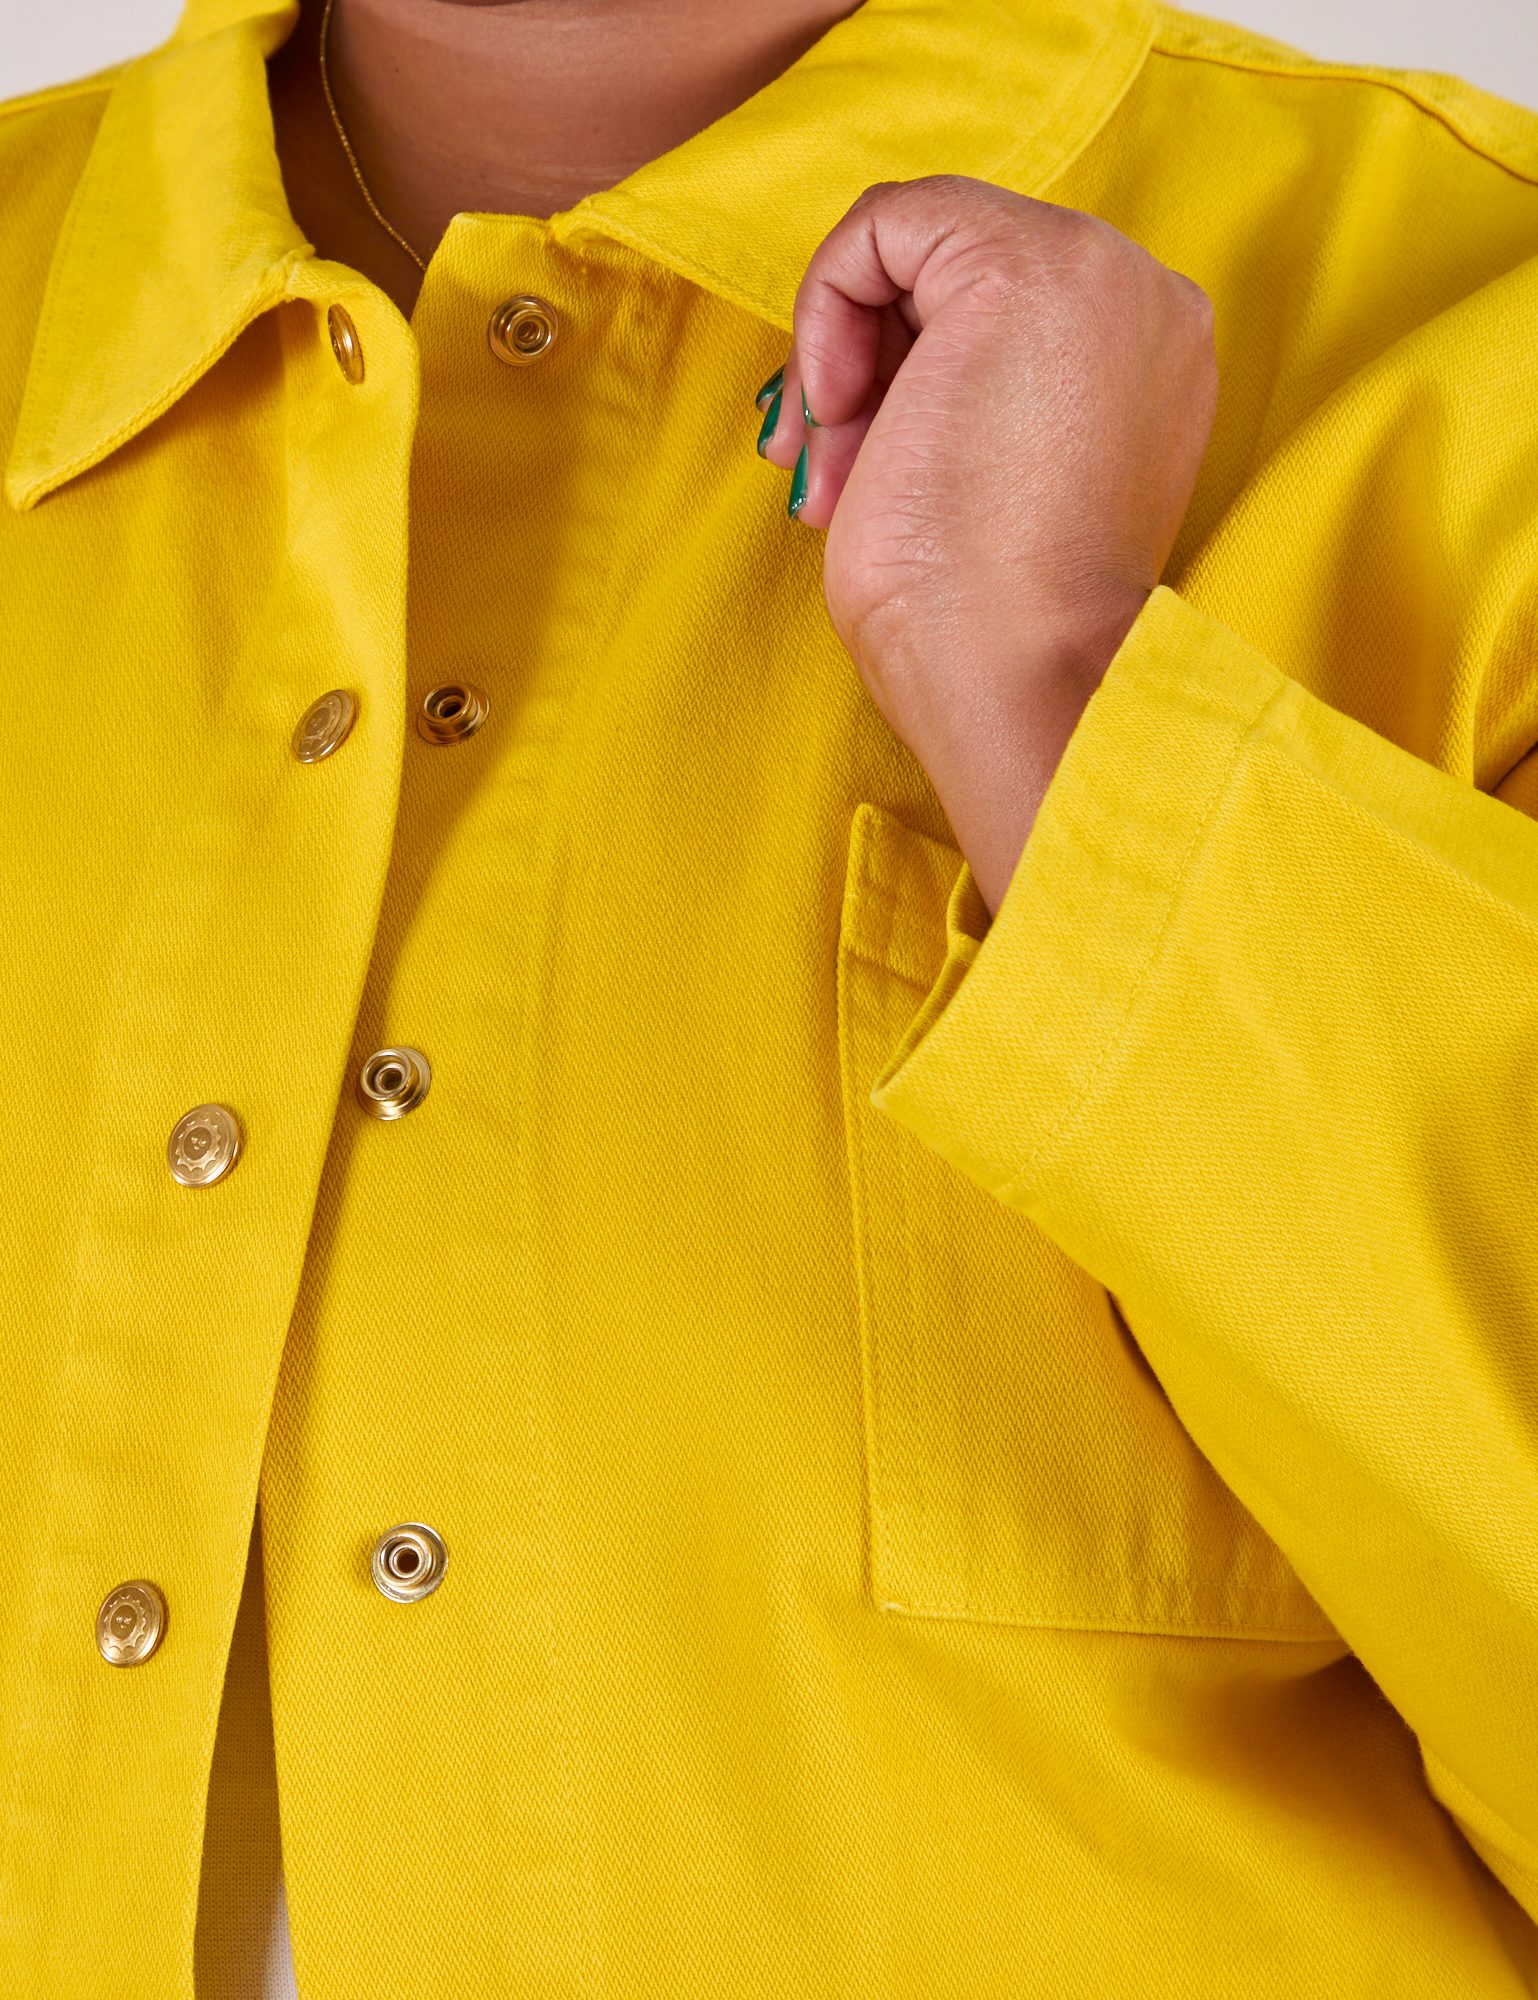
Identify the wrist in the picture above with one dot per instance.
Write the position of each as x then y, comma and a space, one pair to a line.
1075, 642
1001, 747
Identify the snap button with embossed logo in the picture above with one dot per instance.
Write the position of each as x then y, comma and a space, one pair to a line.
130, 1624
204, 1145
324, 726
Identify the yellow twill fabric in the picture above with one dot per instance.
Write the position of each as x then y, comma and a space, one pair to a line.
990, 1460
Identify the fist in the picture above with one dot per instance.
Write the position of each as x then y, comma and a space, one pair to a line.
1006, 405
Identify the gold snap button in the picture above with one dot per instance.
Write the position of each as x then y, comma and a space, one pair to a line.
130, 1624
408, 1562
324, 726
393, 1082
203, 1146
345, 344
450, 714
523, 329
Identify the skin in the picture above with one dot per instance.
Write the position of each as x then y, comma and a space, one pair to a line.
1012, 400
506, 107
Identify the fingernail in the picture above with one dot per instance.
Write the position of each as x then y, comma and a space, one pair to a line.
772, 387
798, 486
769, 423
811, 422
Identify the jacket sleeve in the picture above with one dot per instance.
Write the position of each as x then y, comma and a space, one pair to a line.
1254, 1039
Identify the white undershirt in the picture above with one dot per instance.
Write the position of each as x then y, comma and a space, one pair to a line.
243, 1949
277, 1975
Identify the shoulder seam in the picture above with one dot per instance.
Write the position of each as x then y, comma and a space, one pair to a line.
1455, 105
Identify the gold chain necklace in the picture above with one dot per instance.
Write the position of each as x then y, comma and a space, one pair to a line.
352, 159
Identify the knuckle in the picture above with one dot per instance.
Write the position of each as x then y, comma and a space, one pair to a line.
962, 197
1197, 318
1192, 299
1000, 277
1091, 255
1203, 312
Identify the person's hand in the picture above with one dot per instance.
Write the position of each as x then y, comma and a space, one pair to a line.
1010, 406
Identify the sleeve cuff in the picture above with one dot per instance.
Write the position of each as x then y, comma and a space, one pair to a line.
1079, 927
1001, 1059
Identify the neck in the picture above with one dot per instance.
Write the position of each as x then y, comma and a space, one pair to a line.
516, 107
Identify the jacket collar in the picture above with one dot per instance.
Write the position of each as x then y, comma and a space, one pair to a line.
179, 233
1001, 90
177, 236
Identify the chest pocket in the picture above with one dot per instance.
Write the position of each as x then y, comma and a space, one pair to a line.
1024, 1466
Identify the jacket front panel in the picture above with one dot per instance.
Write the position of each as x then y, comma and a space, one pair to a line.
834, 1598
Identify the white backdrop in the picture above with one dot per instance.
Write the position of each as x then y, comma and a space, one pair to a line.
1491, 42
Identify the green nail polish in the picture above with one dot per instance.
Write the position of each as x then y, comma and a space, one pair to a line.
798, 486
772, 387
811, 422
769, 423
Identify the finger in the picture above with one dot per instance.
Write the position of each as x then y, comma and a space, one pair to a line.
915, 245
782, 445
830, 455
832, 448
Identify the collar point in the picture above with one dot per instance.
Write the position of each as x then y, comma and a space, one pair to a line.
23, 489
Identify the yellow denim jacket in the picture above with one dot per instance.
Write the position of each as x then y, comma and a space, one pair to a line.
989, 1461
